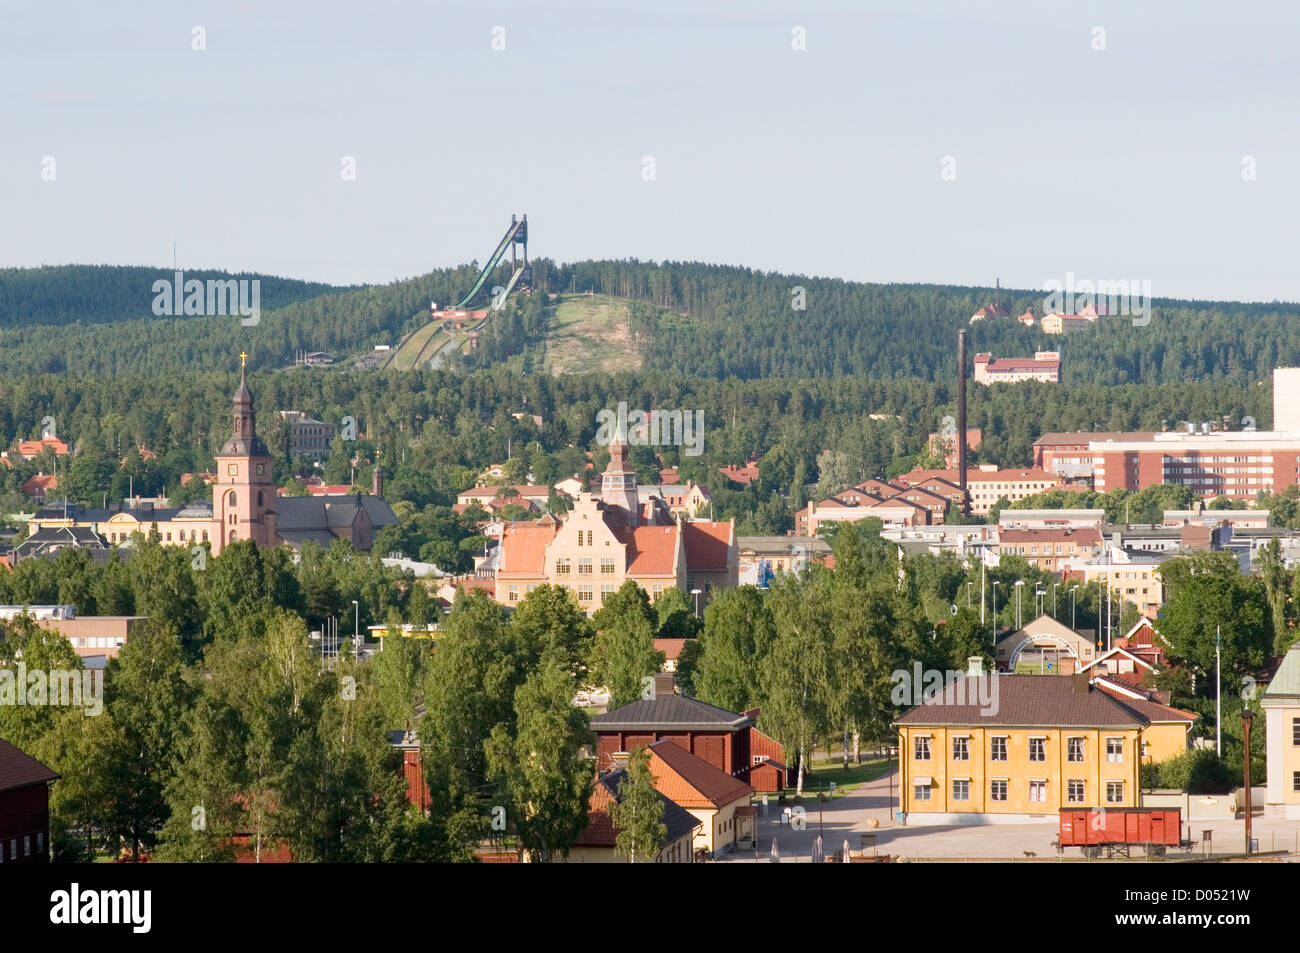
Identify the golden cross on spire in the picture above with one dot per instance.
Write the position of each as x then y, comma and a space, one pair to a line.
243, 359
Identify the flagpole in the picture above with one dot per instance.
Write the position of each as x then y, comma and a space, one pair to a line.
982, 570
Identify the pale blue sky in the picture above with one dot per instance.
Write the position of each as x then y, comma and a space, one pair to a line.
1122, 163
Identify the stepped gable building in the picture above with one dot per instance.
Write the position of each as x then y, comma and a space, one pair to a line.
245, 504
619, 535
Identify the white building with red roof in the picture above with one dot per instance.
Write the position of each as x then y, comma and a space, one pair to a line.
1045, 366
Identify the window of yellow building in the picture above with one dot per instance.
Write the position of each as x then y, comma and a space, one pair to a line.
1038, 790
1115, 750
1114, 792
998, 748
921, 748
998, 789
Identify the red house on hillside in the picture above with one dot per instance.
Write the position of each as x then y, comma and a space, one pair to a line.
24, 807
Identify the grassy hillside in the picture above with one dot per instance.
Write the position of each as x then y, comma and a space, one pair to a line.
590, 333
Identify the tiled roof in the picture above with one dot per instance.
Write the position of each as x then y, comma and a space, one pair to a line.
600, 831
1082, 536
651, 550
707, 544
1023, 701
19, 769
1152, 712
692, 781
669, 711
671, 648
523, 548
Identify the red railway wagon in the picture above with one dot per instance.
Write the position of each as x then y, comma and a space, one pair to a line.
1116, 830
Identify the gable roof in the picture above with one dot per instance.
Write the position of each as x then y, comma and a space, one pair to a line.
651, 550
1026, 701
1152, 711
692, 781
18, 769
670, 711
600, 830
708, 544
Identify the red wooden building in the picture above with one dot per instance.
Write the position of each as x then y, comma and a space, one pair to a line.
24, 807
417, 789
722, 738
768, 770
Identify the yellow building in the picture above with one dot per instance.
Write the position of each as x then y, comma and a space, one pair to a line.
1013, 748
1134, 579
602, 542
1281, 705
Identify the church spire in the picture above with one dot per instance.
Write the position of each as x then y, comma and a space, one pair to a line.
243, 438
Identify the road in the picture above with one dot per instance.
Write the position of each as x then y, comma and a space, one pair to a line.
850, 816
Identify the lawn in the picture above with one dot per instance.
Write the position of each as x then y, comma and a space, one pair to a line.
825, 771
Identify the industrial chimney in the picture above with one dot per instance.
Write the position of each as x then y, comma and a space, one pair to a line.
961, 420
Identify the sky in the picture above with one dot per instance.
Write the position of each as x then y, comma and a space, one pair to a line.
942, 142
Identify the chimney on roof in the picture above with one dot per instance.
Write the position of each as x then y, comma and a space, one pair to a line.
377, 482
975, 665
618, 760
1079, 683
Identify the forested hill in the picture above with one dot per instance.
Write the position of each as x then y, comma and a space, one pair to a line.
690, 320
43, 329
719, 321
98, 294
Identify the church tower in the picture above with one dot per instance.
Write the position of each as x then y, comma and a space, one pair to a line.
618, 484
243, 499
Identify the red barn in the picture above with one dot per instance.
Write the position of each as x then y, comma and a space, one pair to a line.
714, 735
768, 770
24, 807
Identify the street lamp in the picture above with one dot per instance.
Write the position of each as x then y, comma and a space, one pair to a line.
356, 628
1247, 716
968, 585
1039, 598
1072, 588
696, 594
994, 626
1054, 586
1020, 585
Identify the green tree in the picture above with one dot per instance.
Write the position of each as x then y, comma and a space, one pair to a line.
547, 784
623, 653
146, 691
638, 812
737, 637
796, 674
